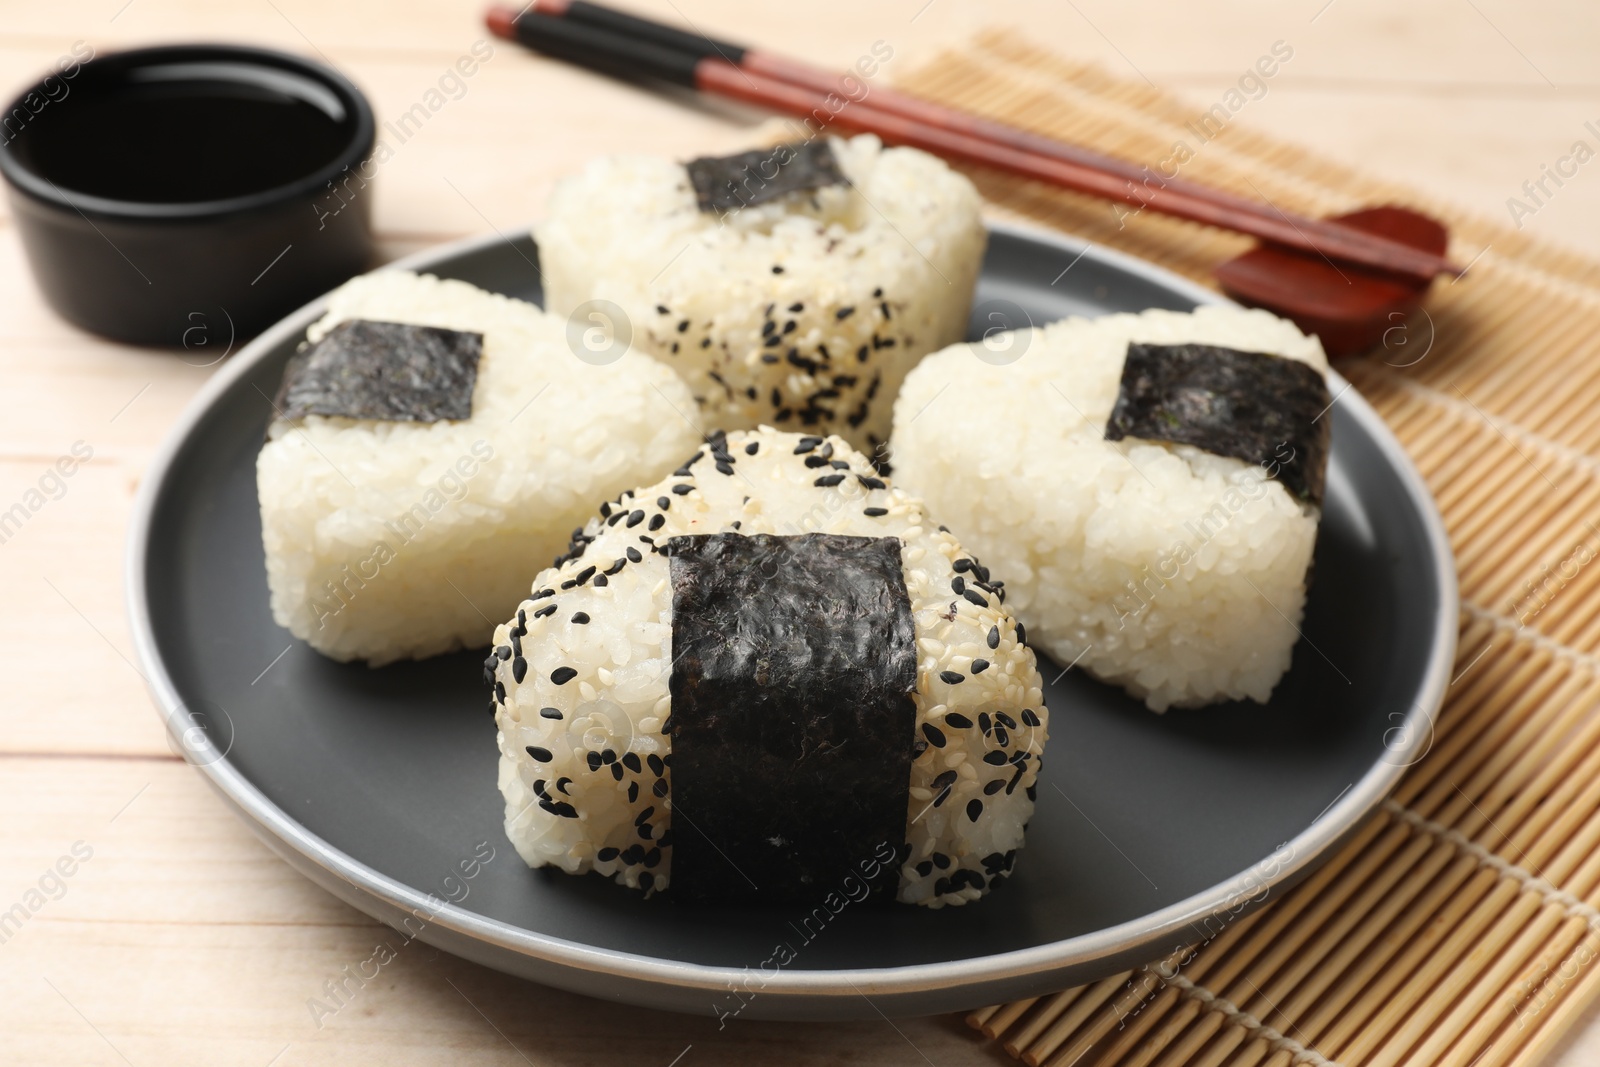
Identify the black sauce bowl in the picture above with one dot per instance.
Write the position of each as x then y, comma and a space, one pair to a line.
189, 191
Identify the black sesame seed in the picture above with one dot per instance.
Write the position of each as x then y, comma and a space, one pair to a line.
646, 831
1029, 718
664, 503
752, 448
608, 757
601, 581
995, 759
519, 668
951, 678
500, 692
631, 761
976, 598
979, 666
958, 720
543, 755
682, 489
790, 326
961, 566
875, 513
994, 637
633, 792
828, 481
974, 809
683, 326
657, 521
777, 269
647, 881
941, 861
924, 868
1001, 738
548, 609
944, 795
549, 713
585, 574
844, 313
1022, 634
540, 595
957, 585
862, 353
581, 618
594, 761
635, 518
1011, 724
994, 787
660, 789
633, 554
616, 771
724, 467
656, 766
606, 855
563, 675
944, 779
501, 653
769, 328
872, 483
934, 735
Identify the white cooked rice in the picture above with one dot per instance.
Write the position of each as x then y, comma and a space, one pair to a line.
875, 275
565, 811
388, 540
1088, 532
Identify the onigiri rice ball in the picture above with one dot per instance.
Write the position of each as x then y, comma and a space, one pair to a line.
803, 311
612, 713
1166, 568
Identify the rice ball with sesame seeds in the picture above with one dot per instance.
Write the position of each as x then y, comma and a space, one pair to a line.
793, 286
764, 678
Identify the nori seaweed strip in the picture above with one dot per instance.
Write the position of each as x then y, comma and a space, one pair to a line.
393, 371
793, 721
1252, 406
728, 183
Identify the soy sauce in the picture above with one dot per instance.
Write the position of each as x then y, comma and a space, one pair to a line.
185, 132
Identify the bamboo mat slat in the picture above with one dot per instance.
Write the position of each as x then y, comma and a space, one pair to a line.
1459, 926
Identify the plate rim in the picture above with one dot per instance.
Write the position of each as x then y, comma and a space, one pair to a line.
368, 887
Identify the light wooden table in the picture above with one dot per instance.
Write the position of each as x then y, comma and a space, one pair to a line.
181, 939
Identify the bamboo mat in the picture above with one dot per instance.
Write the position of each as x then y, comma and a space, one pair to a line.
1459, 926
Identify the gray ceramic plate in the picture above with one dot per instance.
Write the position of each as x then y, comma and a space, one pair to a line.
1151, 831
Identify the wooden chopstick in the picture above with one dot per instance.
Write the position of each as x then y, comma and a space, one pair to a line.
771, 80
